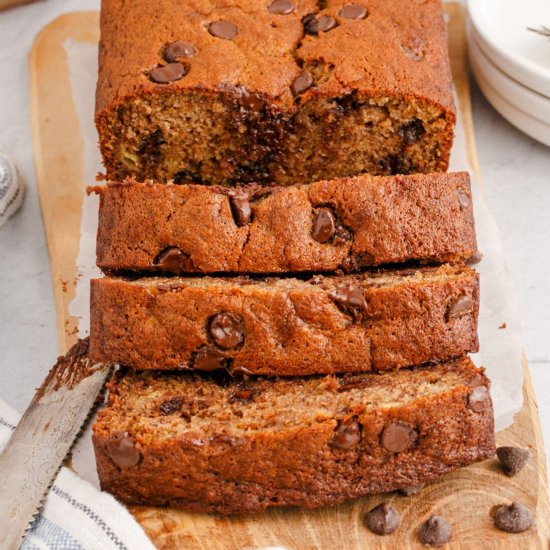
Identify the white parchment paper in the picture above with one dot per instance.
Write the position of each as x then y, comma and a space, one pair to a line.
501, 349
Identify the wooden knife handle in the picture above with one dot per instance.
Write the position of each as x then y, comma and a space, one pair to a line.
5, 4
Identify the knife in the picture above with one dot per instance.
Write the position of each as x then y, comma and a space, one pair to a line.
44, 436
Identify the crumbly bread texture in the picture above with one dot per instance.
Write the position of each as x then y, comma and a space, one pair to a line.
286, 326
345, 224
224, 92
212, 444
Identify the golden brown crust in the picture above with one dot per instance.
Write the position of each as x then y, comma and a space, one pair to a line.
287, 326
386, 71
304, 461
378, 221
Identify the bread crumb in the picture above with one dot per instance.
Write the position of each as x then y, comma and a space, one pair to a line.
502, 325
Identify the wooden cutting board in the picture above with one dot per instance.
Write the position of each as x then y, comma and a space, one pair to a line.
464, 497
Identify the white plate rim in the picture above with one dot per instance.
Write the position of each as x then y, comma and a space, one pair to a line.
519, 67
534, 128
531, 103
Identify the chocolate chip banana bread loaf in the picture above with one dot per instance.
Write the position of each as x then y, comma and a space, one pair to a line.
212, 444
340, 224
289, 91
286, 326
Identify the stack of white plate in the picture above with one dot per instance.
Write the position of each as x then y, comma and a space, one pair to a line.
512, 63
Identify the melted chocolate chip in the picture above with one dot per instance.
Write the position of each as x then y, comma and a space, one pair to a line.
398, 437
244, 395
223, 29
240, 371
301, 83
172, 259
512, 459
515, 518
208, 360
241, 210
436, 531
354, 11
411, 491
122, 450
463, 199
315, 25
349, 299
324, 225
459, 306
383, 519
474, 258
281, 7
251, 102
479, 399
171, 406
346, 435
226, 330
412, 131
168, 73
178, 50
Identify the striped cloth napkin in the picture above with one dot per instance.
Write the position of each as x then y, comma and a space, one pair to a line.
11, 187
75, 515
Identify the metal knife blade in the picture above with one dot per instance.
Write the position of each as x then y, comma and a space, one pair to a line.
44, 436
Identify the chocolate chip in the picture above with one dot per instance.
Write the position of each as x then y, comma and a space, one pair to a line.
241, 210
245, 395
240, 371
315, 25
168, 73
383, 519
251, 102
173, 260
479, 399
349, 299
178, 50
436, 531
209, 360
226, 330
281, 7
413, 490
122, 450
223, 29
460, 306
397, 437
346, 435
324, 225
512, 459
463, 199
412, 131
171, 406
301, 83
474, 258
515, 518
353, 11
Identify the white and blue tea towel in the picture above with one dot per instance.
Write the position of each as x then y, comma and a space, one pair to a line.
11, 187
75, 515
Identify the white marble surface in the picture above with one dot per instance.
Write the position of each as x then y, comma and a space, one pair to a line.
515, 170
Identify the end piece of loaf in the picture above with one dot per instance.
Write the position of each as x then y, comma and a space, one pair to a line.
249, 92
216, 445
347, 224
286, 326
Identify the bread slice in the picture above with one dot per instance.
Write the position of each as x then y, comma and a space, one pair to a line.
286, 326
212, 444
230, 92
346, 223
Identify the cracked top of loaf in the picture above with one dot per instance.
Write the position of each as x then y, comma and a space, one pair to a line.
284, 51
